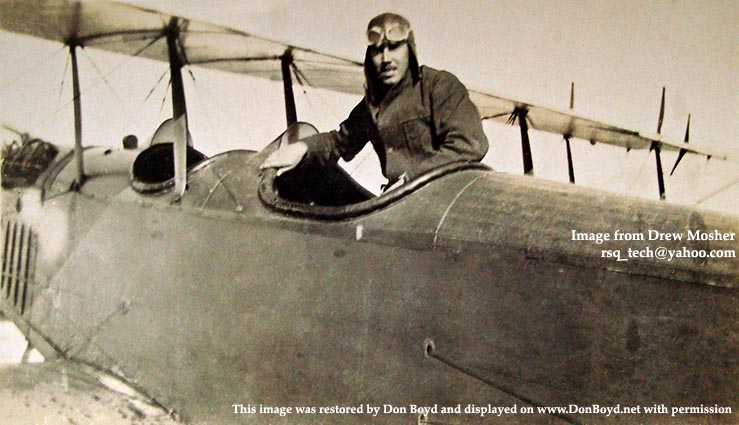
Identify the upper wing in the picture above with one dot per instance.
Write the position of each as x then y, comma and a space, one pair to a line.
136, 31
132, 30
569, 125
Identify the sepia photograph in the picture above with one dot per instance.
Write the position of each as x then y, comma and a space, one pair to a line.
411, 212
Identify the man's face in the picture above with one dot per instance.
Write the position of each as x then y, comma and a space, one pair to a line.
391, 61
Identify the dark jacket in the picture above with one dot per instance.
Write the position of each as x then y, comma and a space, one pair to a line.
417, 126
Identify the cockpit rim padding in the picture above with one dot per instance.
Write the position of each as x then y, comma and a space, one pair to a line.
272, 199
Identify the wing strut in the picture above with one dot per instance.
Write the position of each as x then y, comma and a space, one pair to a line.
660, 177
683, 151
179, 110
287, 84
656, 147
570, 166
520, 113
77, 117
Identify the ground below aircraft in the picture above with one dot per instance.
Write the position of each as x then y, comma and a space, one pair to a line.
199, 283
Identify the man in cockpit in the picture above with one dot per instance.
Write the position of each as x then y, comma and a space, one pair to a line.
417, 118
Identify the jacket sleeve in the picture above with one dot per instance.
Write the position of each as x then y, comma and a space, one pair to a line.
457, 124
347, 141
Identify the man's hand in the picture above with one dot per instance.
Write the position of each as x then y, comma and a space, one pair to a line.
285, 158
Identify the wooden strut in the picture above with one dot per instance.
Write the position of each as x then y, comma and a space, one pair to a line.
660, 177
570, 166
179, 110
656, 147
528, 162
682, 150
79, 159
291, 113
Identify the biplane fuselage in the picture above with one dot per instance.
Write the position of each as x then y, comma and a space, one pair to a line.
225, 287
469, 289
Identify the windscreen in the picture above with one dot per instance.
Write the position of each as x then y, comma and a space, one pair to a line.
24, 162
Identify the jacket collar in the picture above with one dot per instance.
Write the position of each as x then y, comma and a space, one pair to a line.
393, 92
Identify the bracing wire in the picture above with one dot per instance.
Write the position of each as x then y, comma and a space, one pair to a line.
197, 87
202, 88
716, 192
505, 389
615, 178
153, 89
132, 116
638, 174
93, 85
112, 90
28, 71
353, 167
551, 154
102, 76
61, 85
164, 98
303, 81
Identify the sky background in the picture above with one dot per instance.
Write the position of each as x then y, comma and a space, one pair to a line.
619, 54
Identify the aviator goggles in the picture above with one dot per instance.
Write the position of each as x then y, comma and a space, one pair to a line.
395, 34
